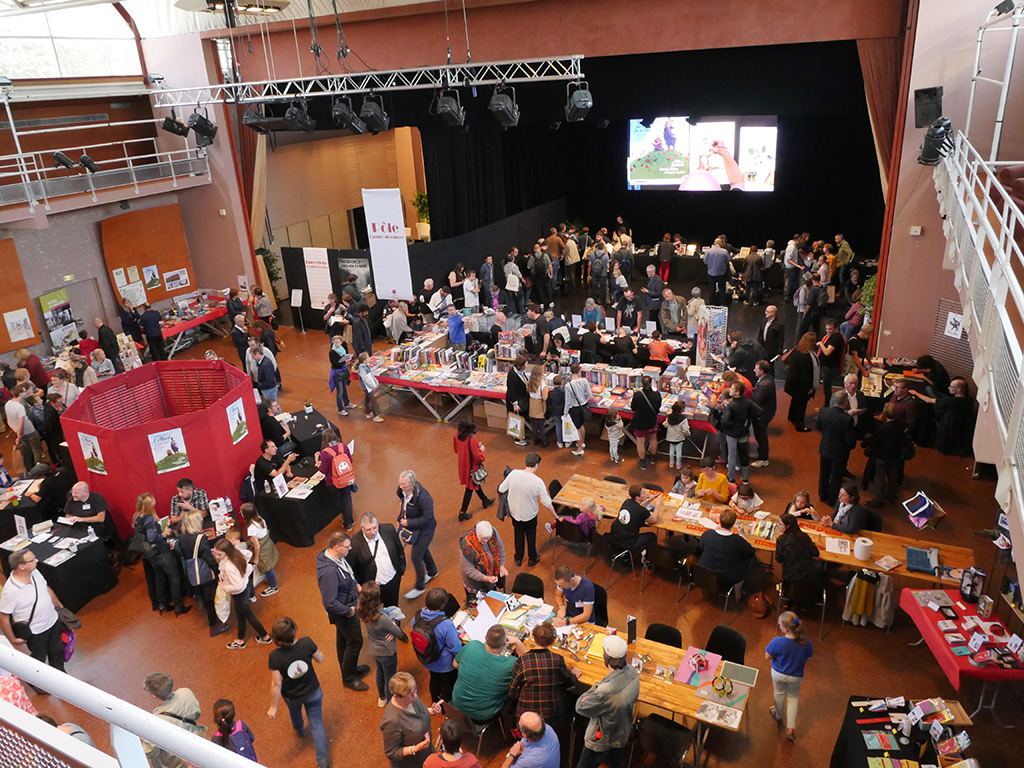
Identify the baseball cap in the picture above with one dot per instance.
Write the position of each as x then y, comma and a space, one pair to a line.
614, 647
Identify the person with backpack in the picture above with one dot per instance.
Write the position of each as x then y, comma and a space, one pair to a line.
436, 642
339, 593
232, 734
335, 462
539, 265
294, 679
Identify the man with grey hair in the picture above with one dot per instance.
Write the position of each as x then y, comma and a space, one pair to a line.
240, 337
266, 378
652, 292
837, 440
177, 706
378, 555
672, 314
538, 748
28, 611
854, 407
250, 361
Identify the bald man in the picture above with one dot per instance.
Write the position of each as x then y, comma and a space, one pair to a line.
85, 506
539, 746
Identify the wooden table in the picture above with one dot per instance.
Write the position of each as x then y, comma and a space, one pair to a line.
611, 495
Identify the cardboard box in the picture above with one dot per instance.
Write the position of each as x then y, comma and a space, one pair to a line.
495, 409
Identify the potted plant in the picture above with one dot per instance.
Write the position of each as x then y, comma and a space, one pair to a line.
867, 297
423, 211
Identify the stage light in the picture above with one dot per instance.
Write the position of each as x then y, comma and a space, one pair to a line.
89, 164
61, 159
205, 130
373, 114
346, 117
173, 125
1004, 7
504, 108
937, 142
253, 118
449, 108
298, 119
578, 102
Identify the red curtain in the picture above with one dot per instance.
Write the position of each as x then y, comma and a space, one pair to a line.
880, 66
247, 156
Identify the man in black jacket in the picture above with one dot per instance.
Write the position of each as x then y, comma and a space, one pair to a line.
771, 334
884, 448
362, 341
240, 337
737, 417
744, 354
339, 593
378, 555
108, 343
837, 440
765, 397
153, 331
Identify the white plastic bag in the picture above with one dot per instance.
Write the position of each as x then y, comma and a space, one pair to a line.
222, 604
569, 432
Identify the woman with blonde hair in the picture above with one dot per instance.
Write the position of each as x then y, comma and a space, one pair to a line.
788, 653
159, 560
235, 572
194, 549
405, 725
537, 388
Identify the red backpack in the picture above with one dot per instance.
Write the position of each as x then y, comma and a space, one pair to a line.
343, 474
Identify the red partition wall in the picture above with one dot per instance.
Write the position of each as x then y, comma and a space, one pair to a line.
191, 395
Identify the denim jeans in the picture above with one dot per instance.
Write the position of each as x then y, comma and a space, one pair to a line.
613, 449
314, 714
422, 560
786, 693
556, 268
675, 454
271, 579
386, 667
341, 389
739, 458
269, 394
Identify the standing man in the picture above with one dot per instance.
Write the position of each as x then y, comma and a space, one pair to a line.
540, 340
339, 593
362, 341
857, 347
817, 297
486, 275
28, 439
53, 430
771, 334
628, 314
240, 337
378, 555
153, 331
885, 445
266, 376
556, 249
570, 261
456, 330
188, 498
831, 350
28, 611
653, 290
744, 354
737, 418
526, 493
609, 705
844, 257
673, 315
717, 262
794, 268
854, 406
599, 273
108, 343
837, 440
764, 397
538, 748
178, 707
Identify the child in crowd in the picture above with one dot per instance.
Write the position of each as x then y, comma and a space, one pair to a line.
368, 383
263, 547
235, 537
588, 518
745, 500
677, 429
613, 423
685, 484
104, 368
788, 654
231, 733
801, 506
381, 632
769, 254
556, 407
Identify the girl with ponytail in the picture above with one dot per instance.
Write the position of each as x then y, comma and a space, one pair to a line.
231, 733
787, 654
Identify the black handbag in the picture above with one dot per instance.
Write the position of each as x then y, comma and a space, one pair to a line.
139, 545
23, 629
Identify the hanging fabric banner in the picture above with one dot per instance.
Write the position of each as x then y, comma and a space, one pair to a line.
389, 251
318, 276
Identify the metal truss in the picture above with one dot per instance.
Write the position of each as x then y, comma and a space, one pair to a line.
568, 68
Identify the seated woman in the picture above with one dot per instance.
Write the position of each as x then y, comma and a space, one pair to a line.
588, 518
593, 313
726, 553
849, 516
712, 485
625, 349
482, 559
801, 506
795, 550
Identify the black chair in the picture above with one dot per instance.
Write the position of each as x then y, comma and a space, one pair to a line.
727, 643
528, 584
802, 592
554, 487
664, 634
606, 548
468, 726
872, 520
663, 738
666, 559
600, 614
653, 487
614, 479
570, 533
709, 581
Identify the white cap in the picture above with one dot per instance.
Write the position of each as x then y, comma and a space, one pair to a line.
614, 647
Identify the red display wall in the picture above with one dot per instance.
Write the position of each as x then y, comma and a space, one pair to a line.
115, 419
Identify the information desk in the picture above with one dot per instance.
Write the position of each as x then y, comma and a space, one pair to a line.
958, 667
178, 330
297, 521
307, 430
79, 579
611, 495
851, 749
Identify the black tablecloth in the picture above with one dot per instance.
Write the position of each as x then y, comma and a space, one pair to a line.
307, 429
28, 509
78, 580
850, 750
298, 521
684, 269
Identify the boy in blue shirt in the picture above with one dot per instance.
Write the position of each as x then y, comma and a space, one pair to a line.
456, 330
443, 673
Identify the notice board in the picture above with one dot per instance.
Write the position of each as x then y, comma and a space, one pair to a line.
18, 328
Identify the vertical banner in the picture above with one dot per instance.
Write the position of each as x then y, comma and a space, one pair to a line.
318, 276
389, 251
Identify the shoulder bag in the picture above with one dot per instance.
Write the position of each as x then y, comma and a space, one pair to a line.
584, 404
196, 569
23, 629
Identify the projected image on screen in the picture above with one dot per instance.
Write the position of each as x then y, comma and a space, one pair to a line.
705, 155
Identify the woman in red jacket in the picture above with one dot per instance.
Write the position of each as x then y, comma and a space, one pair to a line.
471, 457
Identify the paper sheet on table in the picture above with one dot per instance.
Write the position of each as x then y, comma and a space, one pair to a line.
563, 631
476, 628
837, 546
577, 321
707, 522
761, 515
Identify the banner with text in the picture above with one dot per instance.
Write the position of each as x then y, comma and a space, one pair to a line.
318, 276
389, 251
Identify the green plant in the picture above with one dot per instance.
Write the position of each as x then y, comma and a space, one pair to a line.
867, 295
272, 262
422, 207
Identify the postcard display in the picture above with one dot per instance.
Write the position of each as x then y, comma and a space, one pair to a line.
712, 337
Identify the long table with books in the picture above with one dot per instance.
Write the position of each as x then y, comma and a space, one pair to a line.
689, 516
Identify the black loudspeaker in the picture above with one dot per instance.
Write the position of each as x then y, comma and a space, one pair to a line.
927, 106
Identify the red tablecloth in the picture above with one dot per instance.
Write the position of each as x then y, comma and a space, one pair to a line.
174, 330
955, 667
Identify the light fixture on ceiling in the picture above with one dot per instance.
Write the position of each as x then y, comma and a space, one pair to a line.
298, 118
173, 125
258, 7
89, 164
578, 102
205, 130
449, 108
1004, 7
345, 116
504, 107
62, 160
373, 114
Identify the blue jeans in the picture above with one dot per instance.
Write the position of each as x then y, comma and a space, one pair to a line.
422, 560
269, 394
739, 458
556, 268
716, 289
271, 579
675, 454
341, 390
386, 668
314, 714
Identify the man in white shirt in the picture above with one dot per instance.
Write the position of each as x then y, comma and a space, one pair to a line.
28, 611
378, 555
28, 441
440, 301
854, 406
526, 492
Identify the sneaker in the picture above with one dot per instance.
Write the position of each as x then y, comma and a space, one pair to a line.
413, 593
343, 413
428, 577
269, 591
236, 645
618, 460
369, 416
267, 640
549, 528
252, 599
378, 419
580, 452
759, 463
521, 442
382, 702
642, 464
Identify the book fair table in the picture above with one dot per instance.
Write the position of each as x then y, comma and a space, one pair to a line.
18, 513
307, 430
307, 507
668, 679
178, 330
75, 566
955, 635
691, 517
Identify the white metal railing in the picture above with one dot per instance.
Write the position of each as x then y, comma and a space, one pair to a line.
25, 741
984, 230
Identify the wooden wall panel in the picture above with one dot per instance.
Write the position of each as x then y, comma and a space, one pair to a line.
340, 231
14, 296
148, 237
298, 235
320, 232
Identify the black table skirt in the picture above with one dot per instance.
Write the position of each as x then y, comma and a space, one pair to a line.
78, 580
298, 521
32, 512
307, 430
850, 751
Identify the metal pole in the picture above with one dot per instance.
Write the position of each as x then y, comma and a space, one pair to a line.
997, 134
974, 80
4, 94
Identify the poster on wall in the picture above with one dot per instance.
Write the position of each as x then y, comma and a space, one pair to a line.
59, 319
168, 450
92, 453
19, 326
133, 274
358, 267
389, 251
318, 276
176, 279
236, 421
151, 276
119, 278
134, 292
